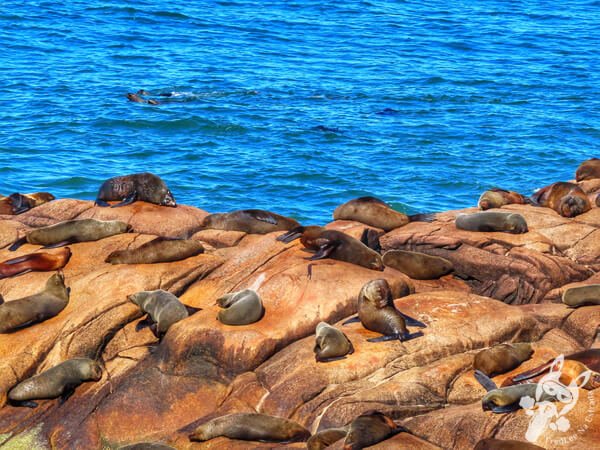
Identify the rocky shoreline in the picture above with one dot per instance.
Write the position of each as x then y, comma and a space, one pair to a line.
505, 288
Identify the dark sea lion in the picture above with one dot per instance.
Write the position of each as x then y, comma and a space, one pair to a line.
158, 250
582, 295
164, 309
60, 380
326, 129
242, 308
492, 221
251, 427
19, 203
253, 221
137, 99
325, 438
567, 199
387, 112
502, 358
499, 444
71, 232
496, 198
371, 211
369, 429
35, 308
331, 344
588, 170
145, 187
35, 262
418, 266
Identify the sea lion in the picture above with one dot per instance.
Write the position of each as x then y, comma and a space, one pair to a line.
418, 266
71, 232
35, 262
496, 198
242, 308
369, 429
164, 309
253, 221
502, 358
588, 170
500, 444
35, 308
325, 438
251, 427
137, 99
60, 380
567, 199
145, 187
158, 250
331, 344
371, 211
19, 203
582, 295
492, 221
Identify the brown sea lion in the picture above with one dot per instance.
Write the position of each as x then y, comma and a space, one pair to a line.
35, 262
502, 358
60, 380
588, 170
71, 232
145, 187
19, 203
371, 211
582, 295
251, 427
369, 429
158, 250
137, 99
253, 221
242, 308
164, 309
418, 266
325, 438
497, 198
567, 199
35, 308
331, 344
492, 221
500, 444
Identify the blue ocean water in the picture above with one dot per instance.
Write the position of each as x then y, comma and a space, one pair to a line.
298, 106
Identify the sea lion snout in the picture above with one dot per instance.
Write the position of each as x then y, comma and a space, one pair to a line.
169, 200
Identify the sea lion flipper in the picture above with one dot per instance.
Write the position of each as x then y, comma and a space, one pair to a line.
20, 209
18, 260
389, 337
323, 252
25, 403
191, 310
533, 372
334, 358
17, 244
370, 238
264, 218
127, 200
59, 244
485, 381
68, 391
412, 322
144, 323
351, 320
506, 408
101, 203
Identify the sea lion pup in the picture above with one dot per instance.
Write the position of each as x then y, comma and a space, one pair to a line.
145, 187
369, 429
492, 221
588, 170
582, 295
418, 266
164, 309
331, 344
158, 250
502, 358
242, 308
252, 221
376, 312
60, 380
499, 444
371, 211
35, 262
325, 438
496, 198
35, 308
19, 203
251, 427
567, 199
71, 232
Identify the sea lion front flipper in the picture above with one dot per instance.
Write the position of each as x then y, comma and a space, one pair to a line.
17, 260
60, 244
127, 200
485, 381
264, 218
17, 243
25, 403
351, 320
533, 372
324, 252
101, 203
191, 310
69, 390
334, 358
412, 322
401, 337
505, 409
20, 209
144, 323
370, 238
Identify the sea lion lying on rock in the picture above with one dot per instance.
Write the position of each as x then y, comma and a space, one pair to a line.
145, 187
588, 170
502, 358
496, 198
252, 221
325, 438
567, 199
19, 203
371, 211
418, 266
35, 262
158, 250
241, 308
163, 308
492, 221
369, 429
331, 344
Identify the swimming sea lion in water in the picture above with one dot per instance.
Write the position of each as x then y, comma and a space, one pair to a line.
71, 232
137, 99
567, 199
500, 444
60, 380
242, 308
582, 295
325, 438
158, 250
251, 427
19, 203
331, 344
35, 308
588, 170
253, 221
145, 187
369, 429
164, 309
371, 211
496, 198
492, 221
418, 266
35, 262
502, 358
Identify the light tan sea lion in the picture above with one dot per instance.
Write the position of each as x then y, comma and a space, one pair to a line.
369, 429
567, 199
492, 221
502, 358
158, 250
60, 380
418, 266
35, 262
331, 344
145, 187
499, 444
588, 170
582, 295
241, 308
497, 198
164, 308
253, 221
251, 427
19, 203
371, 211
325, 438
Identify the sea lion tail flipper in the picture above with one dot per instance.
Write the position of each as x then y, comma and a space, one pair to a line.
351, 320
59, 244
191, 310
506, 408
412, 322
424, 217
485, 381
17, 244
533, 372
127, 200
101, 203
324, 252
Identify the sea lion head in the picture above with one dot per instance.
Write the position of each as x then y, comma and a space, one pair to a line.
571, 206
56, 284
523, 349
167, 198
494, 399
43, 197
490, 199
377, 292
91, 370
517, 224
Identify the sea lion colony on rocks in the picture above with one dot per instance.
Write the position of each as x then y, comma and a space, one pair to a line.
263, 356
